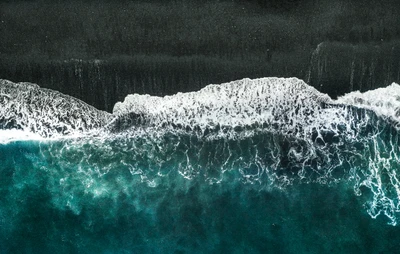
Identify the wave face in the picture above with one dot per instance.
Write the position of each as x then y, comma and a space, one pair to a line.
239, 166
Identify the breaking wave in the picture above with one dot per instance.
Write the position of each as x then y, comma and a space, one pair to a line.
271, 133
26, 106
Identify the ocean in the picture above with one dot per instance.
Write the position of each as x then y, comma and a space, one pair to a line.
267, 165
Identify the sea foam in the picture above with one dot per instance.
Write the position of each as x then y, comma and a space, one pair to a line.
383, 101
285, 104
289, 105
26, 106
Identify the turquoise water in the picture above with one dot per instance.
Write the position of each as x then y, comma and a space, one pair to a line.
184, 194
264, 166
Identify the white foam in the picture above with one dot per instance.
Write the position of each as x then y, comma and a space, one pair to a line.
385, 102
286, 103
8, 136
45, 112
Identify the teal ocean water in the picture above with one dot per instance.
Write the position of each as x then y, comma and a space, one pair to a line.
252, 166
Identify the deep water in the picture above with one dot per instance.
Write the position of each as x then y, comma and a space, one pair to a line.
252, 166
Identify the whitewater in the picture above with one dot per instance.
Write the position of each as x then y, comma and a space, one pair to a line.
166, 159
